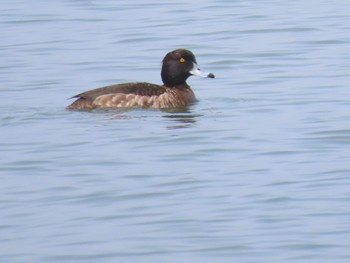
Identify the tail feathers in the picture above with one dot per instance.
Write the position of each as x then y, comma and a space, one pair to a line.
81, 104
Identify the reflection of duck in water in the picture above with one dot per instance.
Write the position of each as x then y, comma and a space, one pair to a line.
177, 66
182, 120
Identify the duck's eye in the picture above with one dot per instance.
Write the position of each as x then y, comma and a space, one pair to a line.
182, 60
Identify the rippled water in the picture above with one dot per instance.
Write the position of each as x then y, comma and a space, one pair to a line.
257, 171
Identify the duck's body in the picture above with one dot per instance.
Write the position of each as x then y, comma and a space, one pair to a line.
178, 65
135, 94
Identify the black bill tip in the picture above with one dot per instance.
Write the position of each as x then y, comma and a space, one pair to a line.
211, 75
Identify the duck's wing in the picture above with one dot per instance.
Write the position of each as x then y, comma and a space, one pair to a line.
136, 88
86, 99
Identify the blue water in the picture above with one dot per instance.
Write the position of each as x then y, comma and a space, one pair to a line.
257, 171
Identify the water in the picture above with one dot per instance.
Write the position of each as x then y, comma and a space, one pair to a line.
256, 171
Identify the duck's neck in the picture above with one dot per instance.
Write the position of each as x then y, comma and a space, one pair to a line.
178, 86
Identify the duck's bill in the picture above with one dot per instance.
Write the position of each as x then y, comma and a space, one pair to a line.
196, 71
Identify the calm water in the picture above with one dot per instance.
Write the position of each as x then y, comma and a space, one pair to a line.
257, 171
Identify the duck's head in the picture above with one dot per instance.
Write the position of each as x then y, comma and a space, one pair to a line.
178, 65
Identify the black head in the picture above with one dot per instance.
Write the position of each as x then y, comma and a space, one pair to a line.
178, 65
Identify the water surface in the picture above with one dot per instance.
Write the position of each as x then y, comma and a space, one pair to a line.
256, 171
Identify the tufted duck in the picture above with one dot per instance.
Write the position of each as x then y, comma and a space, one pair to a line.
177, 66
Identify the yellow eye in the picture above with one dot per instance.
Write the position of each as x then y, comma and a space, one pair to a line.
182, 60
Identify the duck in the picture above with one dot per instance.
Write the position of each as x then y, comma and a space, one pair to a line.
177, 66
